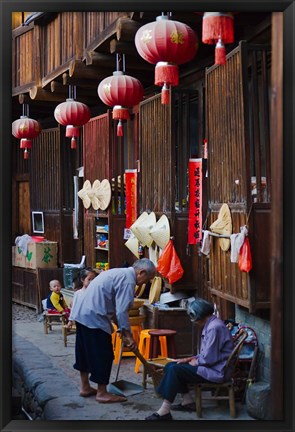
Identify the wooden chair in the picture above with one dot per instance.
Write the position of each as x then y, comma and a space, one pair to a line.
51, 319
226, 387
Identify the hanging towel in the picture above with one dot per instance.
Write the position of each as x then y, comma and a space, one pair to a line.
22, 243
206, 243
236, 241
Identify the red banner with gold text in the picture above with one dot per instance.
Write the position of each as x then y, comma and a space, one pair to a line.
195, 201
131, 196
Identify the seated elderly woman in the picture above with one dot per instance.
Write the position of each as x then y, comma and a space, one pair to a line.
207, 366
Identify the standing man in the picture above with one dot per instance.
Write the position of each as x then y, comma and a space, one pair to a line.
109, 294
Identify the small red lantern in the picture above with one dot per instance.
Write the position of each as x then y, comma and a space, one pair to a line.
121, 92
26, 129
167, 44
218, 28
72, 114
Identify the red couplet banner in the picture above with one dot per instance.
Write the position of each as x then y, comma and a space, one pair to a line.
195, 201
131, 196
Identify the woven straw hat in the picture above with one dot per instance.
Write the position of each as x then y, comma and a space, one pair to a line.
143, 230
101, 194
84, 194
160, 233
223, 226
137, 222
132, 245
155, 290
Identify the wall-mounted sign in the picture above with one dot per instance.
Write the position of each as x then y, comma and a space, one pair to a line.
195, 201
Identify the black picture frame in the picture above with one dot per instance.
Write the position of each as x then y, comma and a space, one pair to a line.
8, 6
37, 222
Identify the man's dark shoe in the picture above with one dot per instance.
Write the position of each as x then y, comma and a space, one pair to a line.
157, 417
191, 407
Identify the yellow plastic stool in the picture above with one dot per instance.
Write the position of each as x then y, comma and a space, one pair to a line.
136, 328
144, 347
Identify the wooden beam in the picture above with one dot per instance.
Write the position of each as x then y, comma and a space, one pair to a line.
38, 93
100, 59
104, 36
126, 29
78, 69
120, 47
81, 82
23, 99
58, 88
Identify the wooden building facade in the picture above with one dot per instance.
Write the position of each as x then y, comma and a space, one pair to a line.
228, 105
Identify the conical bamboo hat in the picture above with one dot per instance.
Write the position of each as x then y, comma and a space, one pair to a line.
132, 244
137, 222
160, 233
223, 226
143, 229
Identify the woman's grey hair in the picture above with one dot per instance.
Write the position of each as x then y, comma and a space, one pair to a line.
199, 309
145, 264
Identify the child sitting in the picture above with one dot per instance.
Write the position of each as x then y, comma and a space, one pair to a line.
55, 302
86, 276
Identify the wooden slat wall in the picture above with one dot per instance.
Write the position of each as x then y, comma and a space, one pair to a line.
61, 40
45, 178
96, 162
96, 155
157, 178
23, 57
226, 280
58, 37
95, 22
225, 131
236, 131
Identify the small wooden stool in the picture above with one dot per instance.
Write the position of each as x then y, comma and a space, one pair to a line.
170, 340
144, 347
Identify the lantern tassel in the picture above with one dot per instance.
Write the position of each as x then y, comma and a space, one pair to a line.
220, 53
120, 128
166, 73
26, 154
165, 95
216, 24
73, 143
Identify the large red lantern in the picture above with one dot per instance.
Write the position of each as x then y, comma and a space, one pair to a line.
218, 28
121, 92
72, 114
26, 129
167, 44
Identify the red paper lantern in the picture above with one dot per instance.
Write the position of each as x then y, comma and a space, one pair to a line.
167, 44
218, 28
26, 129
121, 92
72, 114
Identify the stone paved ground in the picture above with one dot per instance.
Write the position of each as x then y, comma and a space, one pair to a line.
42, 356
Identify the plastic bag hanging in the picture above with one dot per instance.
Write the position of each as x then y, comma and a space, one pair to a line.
169, 264
176, 271
245, 257
164, 261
